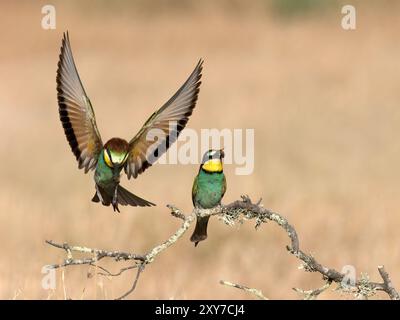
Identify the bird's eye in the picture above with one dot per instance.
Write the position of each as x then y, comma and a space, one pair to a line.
107, 158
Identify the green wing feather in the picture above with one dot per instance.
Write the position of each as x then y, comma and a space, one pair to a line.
145, 149
194, 190
223, 187
76, 112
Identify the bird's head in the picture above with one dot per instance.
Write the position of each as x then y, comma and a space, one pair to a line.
116, 152
212, 161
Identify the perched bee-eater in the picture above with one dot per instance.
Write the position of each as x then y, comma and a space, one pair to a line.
208, 189
108, 160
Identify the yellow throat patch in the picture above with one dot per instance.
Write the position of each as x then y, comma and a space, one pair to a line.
107, 158
117, 158
212, 165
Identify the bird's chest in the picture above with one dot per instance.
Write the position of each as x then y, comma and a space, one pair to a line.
105, 176
209, 190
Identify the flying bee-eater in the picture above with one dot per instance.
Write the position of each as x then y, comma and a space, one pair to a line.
108, 160
208, 189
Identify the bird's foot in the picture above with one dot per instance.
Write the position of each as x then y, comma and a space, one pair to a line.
115, 200
115, 206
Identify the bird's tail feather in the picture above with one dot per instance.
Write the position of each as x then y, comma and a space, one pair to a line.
200, 231
105, 198
125, 198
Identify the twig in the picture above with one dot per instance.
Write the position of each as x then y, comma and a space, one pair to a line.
255, 292
389, 289
313, 294
110, 274
140, 270
187, 220
98, 254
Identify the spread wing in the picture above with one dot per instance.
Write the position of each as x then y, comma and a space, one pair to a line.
76, 112
163, 127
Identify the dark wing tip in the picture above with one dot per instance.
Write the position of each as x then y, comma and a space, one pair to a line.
65, 36
64, 43
198, 70
196, 74
200, 63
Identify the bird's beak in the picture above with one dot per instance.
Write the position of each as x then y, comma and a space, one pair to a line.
221, 153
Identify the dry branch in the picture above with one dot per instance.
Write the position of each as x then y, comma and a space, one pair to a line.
313, 294
235, 211
256, 292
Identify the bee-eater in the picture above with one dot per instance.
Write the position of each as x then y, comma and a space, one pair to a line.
208, 189
108, 160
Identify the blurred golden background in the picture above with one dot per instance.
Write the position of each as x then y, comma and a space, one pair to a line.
324, 103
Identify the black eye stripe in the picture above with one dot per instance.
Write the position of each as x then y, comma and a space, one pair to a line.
109, 155
215, 154
126, 157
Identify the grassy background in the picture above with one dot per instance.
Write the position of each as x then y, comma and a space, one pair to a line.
324, 104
